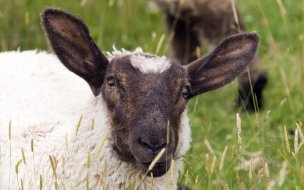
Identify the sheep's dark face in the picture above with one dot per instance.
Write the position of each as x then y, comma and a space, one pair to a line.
145, 94
144, 105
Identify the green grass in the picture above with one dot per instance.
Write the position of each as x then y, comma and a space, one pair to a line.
128, 24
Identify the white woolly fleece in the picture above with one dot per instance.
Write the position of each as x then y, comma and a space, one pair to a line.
141, 61
44, 101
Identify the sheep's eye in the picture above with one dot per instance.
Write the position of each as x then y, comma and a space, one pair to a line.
111, 81
185, 92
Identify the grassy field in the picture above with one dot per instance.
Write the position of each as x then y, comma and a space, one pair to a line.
215, 160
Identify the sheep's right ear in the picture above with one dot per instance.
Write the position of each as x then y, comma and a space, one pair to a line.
70, 39
228, 60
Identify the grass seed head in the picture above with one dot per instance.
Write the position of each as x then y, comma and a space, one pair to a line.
286, 140
300, 132
233, 152
23, 156
17, 165
223, 158
32, 145
296, 142
239, 130
250, 169
266, 170
237, 177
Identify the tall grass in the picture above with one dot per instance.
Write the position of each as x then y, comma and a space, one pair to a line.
271, 154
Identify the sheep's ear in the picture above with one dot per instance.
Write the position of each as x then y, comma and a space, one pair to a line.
70, 39
228, 60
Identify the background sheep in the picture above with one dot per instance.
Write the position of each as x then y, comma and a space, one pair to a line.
197, 22
139, 98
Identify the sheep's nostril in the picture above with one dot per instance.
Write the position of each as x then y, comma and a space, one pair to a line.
153, 147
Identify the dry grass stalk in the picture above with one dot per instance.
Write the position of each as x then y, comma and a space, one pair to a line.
207, 162
213, 164
103, 140
302, 174
282, 174
268, 112
32, 145
171, 36
206, 142
238, 125
172, 173
286, 140
89, 160
22, 186
93, 125
159, 155
168, 132
53, 164
234, 12
87, 182
40, 182
282, 8
78, 125
198, 52
271, 185
159, 44
223, 158
153, 182
9, 130
66, 140
56, 185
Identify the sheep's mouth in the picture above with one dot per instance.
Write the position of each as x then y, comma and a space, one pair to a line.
159, 169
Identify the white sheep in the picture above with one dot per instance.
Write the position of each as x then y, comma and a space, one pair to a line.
56, 133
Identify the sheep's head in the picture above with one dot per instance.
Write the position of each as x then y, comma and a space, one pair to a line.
146, 95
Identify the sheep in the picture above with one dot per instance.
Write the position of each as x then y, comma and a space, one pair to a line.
197, 22
80, 119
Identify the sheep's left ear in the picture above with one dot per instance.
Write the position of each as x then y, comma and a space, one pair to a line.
228, 60
71, 41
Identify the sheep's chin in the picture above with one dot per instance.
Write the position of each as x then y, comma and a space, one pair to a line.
159, 169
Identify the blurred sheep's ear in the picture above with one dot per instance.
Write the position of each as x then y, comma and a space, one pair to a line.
228, 60
71, 41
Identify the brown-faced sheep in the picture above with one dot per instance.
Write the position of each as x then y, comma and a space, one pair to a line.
136, 108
